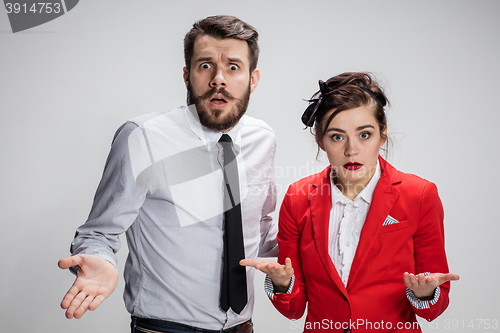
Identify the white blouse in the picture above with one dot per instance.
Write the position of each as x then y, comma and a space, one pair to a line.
347, 218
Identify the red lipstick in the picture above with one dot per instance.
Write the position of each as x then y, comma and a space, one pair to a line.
352, 165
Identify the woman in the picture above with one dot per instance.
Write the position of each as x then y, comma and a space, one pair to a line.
366, 240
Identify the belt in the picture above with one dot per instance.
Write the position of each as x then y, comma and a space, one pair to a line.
246, 327
144, 325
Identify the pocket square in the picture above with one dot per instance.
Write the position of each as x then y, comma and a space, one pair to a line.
390, 220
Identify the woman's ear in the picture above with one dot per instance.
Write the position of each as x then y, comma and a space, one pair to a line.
383, 137
320, 144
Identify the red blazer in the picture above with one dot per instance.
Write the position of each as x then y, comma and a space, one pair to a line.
375, 297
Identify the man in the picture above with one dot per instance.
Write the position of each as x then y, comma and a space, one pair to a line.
192, 188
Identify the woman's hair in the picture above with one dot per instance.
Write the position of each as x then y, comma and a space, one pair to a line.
344, 92
223, 27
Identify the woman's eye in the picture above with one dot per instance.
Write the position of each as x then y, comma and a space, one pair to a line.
233, 67
337, 137
364, 135
206, 65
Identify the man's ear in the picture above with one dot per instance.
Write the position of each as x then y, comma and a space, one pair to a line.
254, 79
185, 75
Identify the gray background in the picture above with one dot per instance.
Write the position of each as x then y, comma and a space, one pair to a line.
67, 85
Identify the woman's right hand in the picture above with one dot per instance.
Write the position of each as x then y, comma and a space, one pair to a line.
281, 275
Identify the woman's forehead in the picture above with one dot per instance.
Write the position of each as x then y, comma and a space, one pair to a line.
352, 118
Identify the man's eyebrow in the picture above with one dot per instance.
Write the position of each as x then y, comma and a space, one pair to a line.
229, 59
234, 60
203, 59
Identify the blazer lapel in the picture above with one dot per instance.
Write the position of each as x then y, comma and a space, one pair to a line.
384, 198
320, 205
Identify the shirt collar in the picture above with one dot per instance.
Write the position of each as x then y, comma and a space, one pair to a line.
208, 136
366, 194
235, 134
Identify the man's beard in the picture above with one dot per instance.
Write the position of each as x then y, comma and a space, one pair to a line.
214, 118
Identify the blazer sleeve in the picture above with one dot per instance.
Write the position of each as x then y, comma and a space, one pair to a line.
291, 305
430, 253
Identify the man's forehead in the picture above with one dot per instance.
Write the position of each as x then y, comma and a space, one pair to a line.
206, 46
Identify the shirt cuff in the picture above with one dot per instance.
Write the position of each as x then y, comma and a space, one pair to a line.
419, 304
103, 255
269, 287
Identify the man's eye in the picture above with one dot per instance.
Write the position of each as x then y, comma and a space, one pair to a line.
206, 65
234, 67
364, 135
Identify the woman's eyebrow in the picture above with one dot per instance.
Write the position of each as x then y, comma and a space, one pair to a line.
342, 131
363, 127
335, 129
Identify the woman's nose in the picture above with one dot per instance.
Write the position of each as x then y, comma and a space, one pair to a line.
351, 148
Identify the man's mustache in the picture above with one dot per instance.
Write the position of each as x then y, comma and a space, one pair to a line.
216, 90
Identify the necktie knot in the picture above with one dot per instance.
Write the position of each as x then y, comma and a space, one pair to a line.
225, 138
229, 156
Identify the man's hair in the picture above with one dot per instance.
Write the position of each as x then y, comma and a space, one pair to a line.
223, 27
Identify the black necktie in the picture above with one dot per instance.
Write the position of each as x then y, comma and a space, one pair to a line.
234, 281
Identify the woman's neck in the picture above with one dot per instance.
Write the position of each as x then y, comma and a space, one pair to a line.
350, 189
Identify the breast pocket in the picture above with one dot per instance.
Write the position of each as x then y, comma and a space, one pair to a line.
394, 227
253, 201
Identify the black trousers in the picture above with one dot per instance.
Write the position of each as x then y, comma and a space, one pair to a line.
142, 325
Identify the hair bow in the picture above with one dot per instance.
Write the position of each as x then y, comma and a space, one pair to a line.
309, 114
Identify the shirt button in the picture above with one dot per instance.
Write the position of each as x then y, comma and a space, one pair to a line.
348, 244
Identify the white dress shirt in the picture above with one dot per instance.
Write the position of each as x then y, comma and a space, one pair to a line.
163, 186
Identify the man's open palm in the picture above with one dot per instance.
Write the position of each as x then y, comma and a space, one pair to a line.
96, 280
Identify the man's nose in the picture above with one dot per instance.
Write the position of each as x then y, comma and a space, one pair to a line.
218, 79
